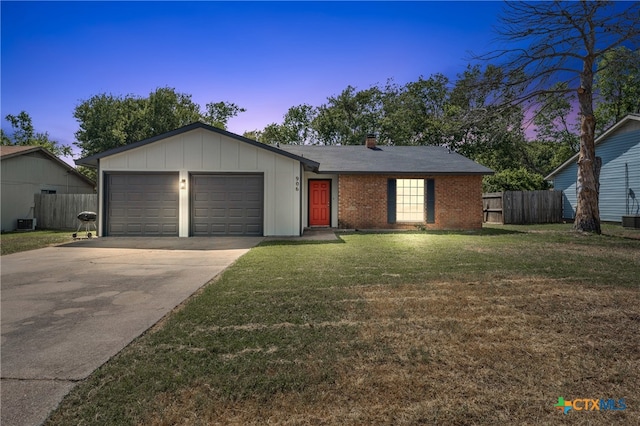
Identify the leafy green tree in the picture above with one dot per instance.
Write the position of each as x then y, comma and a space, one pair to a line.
165, 110
272, 134
25, 134
348, 118
418, 113
108, 121
256, 135
543, 157
487, 125
296, 128
518, 179
297, 125
618, 86
218, 113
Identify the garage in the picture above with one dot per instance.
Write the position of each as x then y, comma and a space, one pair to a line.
199, 180
227, 204
142, 204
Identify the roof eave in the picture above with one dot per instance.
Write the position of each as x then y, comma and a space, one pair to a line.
405, 173
19, 153
53, 158
598, 140
92, 160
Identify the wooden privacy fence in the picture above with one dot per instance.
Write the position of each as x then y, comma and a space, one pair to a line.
522, 207
60, 211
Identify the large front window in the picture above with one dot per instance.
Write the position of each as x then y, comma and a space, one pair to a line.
410, 200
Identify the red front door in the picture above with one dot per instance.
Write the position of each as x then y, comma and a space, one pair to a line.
319, 203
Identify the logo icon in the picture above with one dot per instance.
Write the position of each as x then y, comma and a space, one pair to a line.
563, 405
588, 404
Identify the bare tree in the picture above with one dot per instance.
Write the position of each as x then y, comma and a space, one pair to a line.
550, 42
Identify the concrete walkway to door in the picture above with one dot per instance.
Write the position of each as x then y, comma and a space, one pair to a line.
66, 310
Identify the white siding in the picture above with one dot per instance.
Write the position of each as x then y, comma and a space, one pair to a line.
29, 174
201, 150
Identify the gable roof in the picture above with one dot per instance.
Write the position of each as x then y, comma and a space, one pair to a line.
337, 159
358, 159
10, 151
599, 139
92, 160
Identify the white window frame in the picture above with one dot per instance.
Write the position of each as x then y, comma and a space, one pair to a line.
410, 197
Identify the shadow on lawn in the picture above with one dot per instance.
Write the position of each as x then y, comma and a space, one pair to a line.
275, 241
291, 242
477, 232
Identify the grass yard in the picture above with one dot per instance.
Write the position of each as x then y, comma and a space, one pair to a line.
15, 242
416, 328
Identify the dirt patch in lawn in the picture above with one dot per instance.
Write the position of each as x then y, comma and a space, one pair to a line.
451, 353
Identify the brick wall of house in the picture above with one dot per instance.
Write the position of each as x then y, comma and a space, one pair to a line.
458, 202
363, 202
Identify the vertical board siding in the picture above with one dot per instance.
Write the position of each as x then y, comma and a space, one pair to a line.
60, 211
522, 207
492, 207
203, 151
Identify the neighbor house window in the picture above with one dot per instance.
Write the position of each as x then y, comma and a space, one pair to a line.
410, 200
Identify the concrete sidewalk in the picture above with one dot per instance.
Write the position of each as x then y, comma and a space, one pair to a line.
66, 310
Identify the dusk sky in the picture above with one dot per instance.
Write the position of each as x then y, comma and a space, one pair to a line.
263, 56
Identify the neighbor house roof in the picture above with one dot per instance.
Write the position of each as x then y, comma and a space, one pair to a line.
599, 139
92, 160
10, 151
358, 159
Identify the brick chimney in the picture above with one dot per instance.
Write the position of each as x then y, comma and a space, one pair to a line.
370, 142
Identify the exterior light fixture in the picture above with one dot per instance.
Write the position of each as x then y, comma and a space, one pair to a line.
183, 184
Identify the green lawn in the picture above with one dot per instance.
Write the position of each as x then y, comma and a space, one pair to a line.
402, 328
15, 242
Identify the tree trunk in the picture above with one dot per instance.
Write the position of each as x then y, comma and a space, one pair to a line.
588, 210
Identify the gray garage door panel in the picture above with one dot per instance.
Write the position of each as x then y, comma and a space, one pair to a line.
142, 204
227, 205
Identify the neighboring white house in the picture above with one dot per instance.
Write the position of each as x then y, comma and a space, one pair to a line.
29, 170
619, 149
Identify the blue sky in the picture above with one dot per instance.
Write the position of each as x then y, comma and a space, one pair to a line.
263, 56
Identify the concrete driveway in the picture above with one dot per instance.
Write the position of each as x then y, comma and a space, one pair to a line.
66, 310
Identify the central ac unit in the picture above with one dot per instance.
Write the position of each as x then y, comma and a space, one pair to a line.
631, 221
26, 224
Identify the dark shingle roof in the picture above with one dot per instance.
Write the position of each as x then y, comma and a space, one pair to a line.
388, 159
340, 159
